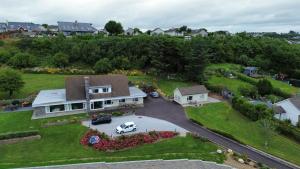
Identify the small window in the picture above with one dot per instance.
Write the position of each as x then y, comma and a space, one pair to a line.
108, 102
57, 108
190, 98
96, 91
77, 106
122, 101
135, 99
105, 90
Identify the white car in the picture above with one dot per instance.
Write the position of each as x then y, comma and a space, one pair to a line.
126, 127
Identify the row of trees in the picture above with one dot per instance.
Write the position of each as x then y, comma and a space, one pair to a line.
160, 55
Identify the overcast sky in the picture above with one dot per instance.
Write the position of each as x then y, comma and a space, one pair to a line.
232, 15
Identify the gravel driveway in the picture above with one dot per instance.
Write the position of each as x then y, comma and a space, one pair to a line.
143, 123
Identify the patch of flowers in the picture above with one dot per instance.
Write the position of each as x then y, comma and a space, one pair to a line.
106, 143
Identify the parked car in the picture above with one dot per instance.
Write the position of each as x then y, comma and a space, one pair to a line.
101, 119
126, 127
154, 94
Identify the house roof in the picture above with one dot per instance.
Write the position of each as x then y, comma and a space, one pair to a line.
279, 110
75, 89
3, 25
50, 97
13, 26
75, 27
198, 30
295, 101
198, 89
172, 30
250, 68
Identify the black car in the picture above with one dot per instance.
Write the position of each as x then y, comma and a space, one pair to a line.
101, 119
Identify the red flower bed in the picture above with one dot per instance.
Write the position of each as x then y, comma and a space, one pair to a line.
123, 141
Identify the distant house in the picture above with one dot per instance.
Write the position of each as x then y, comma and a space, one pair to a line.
24, 28
103, 32
251, 71
194, 95
199, 32
288, 109
157, 31
173, 32
87, 94
129, 32
53, 28
75, 28
3, 27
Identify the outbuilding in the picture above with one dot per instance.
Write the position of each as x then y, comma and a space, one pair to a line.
193, 95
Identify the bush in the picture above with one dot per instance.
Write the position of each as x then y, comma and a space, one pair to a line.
118, 113
253, 112
279, 92
249, 92
22, 60
18, 134
214, 88
1, 43
103, 66
285, 128
60, 60
264, 87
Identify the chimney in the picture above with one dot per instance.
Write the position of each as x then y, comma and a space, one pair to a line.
87, 95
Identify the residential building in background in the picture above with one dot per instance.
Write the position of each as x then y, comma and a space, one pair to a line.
199, 32
173, 32
75, 28
157, 31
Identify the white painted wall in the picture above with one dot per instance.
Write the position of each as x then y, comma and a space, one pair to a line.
292, 112
197, 98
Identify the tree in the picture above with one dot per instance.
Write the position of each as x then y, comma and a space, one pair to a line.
137, 30
60, 60
264, 87
10, 80
22, 60
103, 66
183, 28
113, 27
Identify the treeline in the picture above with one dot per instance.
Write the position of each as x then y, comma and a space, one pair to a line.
156, 54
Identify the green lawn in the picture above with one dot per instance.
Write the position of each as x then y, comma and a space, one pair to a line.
60, 145
284, 86
37, 82
168, 86
231, 84
220, 116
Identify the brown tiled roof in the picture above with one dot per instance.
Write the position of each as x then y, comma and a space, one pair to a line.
295, 101
75, 89
198, 89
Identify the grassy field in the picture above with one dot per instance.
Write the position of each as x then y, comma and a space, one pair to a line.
284, 86
231, 84
220, 116
36, 82
60, 145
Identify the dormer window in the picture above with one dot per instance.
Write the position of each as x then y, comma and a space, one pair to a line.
100, 89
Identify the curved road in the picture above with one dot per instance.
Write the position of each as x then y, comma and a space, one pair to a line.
161, 109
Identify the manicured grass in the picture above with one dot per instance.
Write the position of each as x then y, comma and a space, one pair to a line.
231, 84
225, 66
60, 145
284, 86
220, 116
37, 82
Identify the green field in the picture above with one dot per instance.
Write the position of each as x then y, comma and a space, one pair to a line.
231, 84
60, 145
220, 116
284, 86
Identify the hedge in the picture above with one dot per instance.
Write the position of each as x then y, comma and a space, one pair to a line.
279, 92
246, 78
289, 131
18, 134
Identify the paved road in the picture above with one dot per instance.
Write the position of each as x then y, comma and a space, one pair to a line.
143, 123
161, 109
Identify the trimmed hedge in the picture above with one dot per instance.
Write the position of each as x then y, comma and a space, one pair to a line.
289, 131
18, 134
278, 92
246, 78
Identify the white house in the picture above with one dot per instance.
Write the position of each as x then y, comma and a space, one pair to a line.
199, 32
194, 95
157, 31
173, 32
290, 109
88, 94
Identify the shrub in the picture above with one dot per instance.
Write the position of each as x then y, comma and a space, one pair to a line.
264, 87
103, 66
1, 43
19, 134
245, 78
118, 113
279, 92
60, 60
22, 60
214, 88
285, 128
249, 92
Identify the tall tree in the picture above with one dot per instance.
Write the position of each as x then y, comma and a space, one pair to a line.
10, 80
113, 27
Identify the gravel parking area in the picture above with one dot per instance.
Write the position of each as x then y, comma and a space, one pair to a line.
144, 124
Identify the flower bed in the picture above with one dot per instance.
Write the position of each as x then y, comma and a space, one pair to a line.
122, 142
